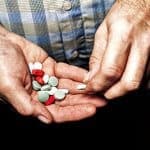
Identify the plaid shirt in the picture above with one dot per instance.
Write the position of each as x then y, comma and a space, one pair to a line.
63, 28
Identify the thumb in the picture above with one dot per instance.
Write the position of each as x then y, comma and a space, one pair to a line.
20, 99
100, 43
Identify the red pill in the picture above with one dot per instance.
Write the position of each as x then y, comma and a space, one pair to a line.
39, 80
50, 101
37, 72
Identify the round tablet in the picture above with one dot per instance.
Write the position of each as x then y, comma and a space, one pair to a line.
66, 91
45, 78
59, 95
43, 96
46, 87
53, 81
37, 65
52, 91
35, 85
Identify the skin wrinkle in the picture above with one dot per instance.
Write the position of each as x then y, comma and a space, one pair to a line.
136, 8
136, 12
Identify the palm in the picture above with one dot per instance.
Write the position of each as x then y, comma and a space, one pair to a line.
76, 105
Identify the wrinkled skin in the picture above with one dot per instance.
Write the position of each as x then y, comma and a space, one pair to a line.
121, 49
15, 87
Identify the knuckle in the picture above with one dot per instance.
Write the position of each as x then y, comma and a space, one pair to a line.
95, 85
25, 111
131, 85
111, 73
93, 60
5, 86
123, 28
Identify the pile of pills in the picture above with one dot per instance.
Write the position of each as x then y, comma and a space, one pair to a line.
45, 85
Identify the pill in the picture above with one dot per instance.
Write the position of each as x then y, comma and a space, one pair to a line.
66, 91
37, 65
46, 87
31, 66
50, 101
81, 87
59, 95
36, 86
53, 81
43, 96
37, 72
45, 78
39, 80
52, 91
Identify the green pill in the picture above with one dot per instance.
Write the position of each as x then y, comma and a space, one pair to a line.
35, 85
43, 96
46, 87
53, 81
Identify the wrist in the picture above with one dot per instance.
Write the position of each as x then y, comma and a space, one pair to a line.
137, 4
3, 31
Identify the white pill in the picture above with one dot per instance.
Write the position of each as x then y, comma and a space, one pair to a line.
52, 91
81, 87
59, 95
66, 91
46, 78
37, 65
35, 85
31, 66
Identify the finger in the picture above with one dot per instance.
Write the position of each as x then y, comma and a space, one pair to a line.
49, 66
71, 113
23, 103
100, 43
71, 100
114, 60
29, 49
66, 71
71, 85
134, 71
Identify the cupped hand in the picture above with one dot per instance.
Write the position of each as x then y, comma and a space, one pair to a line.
15, 54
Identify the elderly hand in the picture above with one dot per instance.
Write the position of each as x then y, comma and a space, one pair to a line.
121, 50
16, 88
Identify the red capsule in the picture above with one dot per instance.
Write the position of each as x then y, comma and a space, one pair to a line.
39, 80
50, 101
37, 72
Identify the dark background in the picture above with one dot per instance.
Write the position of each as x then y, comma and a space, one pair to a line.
124, 121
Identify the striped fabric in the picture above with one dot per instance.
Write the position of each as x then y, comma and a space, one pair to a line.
63, 28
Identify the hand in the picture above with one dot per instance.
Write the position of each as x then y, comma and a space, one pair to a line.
121, 49
15, 54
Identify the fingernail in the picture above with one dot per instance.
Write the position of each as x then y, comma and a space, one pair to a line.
43, 119
86, 79
108, 96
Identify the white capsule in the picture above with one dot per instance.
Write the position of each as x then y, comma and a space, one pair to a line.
52, 91
46, 78
37, 65
81, 87
31, 66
